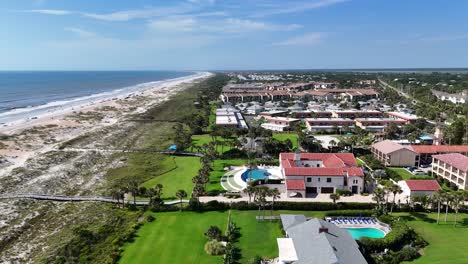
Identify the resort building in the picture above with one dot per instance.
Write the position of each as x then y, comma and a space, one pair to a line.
230, 117
279, 123
356, 114
328, 124
418, 187
452, 167
393, 154
312, 173
377, 124
316, 241
459, 98
409, 118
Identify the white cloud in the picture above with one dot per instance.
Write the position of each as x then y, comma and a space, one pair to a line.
294, 7
81, 32
54, 12
228, 25
304, 40
202, 1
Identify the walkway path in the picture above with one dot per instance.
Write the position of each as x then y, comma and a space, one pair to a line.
62, 198
129, 150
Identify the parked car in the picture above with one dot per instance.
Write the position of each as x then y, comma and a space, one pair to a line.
412, 168
418, 172
425, 165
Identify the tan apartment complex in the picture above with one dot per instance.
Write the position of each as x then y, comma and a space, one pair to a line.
452, 167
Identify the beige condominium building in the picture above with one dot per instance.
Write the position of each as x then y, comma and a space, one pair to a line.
452, 167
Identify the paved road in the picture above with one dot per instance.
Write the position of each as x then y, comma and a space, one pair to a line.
62, 198
398, 91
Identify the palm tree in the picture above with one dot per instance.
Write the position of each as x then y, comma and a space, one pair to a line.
378, 196
448, 200
334, 197
133, 189
115, 194
438, 197
250, 190
459, 197
181, 194
332, 144
395, 188
150, 193
275, 194
158, 190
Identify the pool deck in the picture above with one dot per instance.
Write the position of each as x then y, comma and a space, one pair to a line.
378, 225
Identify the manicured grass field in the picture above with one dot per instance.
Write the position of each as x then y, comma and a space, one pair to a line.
447, 244
176, 178
406, 175
176, 237
283, 136
218, 172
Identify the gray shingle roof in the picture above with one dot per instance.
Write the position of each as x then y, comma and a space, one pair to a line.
334, 246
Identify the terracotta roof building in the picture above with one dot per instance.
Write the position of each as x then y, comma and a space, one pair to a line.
418, 187
452, 167
309, 173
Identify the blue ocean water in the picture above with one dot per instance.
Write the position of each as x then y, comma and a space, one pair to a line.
25, 91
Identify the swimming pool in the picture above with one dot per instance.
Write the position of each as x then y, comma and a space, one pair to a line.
357, 233
254, 175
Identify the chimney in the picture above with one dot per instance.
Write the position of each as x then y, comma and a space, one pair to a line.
323, 230
297, 156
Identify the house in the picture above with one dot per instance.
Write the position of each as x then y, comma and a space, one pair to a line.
452, 167
279, 123
392, 154
460, 98
316, 241
328, 124
356, 113
312, 173
418, 187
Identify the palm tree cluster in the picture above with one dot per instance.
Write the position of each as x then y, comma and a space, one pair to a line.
133, 187
453, 199
203, 176
260, 195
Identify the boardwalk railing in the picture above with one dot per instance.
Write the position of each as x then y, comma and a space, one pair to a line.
63, 198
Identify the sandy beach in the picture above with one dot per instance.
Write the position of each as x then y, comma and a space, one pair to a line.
27, 137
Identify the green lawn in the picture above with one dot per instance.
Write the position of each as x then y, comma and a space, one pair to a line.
176, 237
178, 178
406, 175
447, 244
284, 136
218, 172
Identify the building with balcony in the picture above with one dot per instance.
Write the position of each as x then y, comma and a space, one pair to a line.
279, 123
312, 173
452, 167
377, 124
328, 124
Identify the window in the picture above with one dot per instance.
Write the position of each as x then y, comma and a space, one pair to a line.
319, 179
309, 179
328, 179
318, 165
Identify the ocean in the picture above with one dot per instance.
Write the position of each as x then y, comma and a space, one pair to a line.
24, 94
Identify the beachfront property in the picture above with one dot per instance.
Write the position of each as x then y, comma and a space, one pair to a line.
452, 167
377, 124
230, 117
316, 241
411, 188
393, 154
312, 173
279, 123
328, 124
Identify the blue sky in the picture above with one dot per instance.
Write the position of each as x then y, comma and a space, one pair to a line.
225, 34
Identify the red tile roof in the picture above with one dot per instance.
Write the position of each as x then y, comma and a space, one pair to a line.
456, 160
295, 185
334, 164
423, 185
430, 149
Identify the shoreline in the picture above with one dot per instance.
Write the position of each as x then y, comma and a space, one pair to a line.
87, 103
